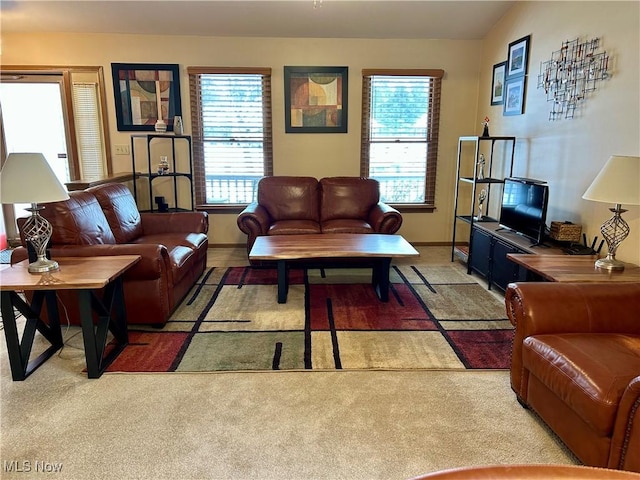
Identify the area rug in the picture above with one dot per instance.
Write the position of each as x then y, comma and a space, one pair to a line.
437, 317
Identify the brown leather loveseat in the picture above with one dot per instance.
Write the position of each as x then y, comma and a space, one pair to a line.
304, 205
104, 220
576, 363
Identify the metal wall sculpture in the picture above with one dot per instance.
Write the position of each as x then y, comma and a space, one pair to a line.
571, 74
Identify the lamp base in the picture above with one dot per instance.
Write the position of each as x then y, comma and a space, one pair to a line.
43, 265
609, 263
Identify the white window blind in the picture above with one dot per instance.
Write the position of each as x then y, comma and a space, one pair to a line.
88, 130
400, 132
232, 134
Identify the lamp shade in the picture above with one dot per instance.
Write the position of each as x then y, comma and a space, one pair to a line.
28, 178
618, 182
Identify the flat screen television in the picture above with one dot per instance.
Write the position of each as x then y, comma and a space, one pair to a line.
524, 207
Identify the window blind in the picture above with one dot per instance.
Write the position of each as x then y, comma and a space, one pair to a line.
88, 130
232, 135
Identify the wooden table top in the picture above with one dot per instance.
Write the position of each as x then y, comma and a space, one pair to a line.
74, 273
339, 245
574, 268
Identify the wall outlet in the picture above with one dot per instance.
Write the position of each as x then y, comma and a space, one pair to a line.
122, 149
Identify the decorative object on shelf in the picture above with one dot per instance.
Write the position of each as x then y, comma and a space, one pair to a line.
146, 96
481, 198
315, 99
565, 232
618, 182
178, 127
163, 166
485, 125
571, 74
481, 164
514, 96
497, 83
518, 59
28, 178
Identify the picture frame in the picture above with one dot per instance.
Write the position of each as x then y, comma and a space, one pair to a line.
518, 57
514, 89
315, 99
135, 87
497, 83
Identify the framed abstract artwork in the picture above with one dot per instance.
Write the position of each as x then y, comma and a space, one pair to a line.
315, 99
518, 57
514, 96
497, 83
144, 92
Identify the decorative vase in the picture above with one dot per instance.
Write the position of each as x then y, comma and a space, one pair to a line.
178, 128
161, 127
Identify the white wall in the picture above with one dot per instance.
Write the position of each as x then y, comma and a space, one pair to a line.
569, 153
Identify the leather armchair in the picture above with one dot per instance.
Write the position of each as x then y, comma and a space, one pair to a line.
576, 363
304, 205
104, 220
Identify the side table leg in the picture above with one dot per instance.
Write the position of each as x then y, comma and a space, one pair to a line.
283, 281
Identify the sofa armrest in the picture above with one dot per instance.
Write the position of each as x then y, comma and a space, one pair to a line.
625, 441
254, 220
174, 222
554, 308
154, 262
384, 218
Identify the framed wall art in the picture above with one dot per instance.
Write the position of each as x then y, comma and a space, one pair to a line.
518, 57
144, 92
514, 96
315, 99
497, 83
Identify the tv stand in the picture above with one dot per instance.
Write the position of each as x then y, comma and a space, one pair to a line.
491, 244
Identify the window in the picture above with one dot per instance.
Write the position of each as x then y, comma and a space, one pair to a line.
400, 119
232, 144
86, 112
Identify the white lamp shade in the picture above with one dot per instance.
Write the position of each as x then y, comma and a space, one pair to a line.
28, 178
617, 182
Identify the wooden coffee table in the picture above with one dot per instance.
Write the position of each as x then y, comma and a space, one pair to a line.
86, 275
379, 248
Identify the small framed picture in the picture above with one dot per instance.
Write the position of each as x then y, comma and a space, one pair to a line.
497, 83
518, 57
514, 96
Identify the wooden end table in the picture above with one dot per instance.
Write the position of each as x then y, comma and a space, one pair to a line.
573, 268
380, 248
83, 274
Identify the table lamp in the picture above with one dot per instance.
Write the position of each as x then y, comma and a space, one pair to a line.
618, 182
28, 178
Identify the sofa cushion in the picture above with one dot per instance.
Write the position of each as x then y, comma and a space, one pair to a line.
346, 225
121, 210
347, 197
78, 221
587, 371
289, 198
294, 227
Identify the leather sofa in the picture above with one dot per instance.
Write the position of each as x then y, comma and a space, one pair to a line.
303, 205
104, 220
576, 363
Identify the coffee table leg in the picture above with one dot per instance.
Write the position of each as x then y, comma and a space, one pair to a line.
283, 281
380, 277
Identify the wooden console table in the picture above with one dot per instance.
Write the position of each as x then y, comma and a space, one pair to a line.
83, 274
573, 268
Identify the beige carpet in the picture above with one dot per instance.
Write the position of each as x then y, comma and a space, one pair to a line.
269, 425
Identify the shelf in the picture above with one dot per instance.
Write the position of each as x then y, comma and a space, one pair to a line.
481, 180
167, 175
462, 252
469, 219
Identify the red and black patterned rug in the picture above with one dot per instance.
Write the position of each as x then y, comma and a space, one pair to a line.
437, 317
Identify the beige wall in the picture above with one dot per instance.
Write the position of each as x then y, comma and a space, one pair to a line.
294, 154
568, 153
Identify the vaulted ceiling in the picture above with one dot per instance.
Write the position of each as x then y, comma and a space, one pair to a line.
389, 19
